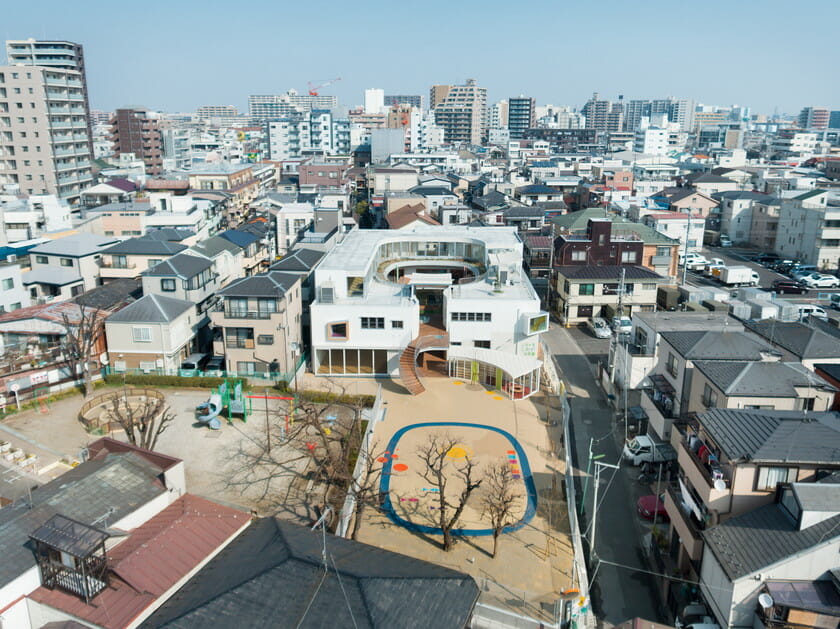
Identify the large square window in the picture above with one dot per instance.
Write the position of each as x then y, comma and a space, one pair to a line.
337, 331
586, 289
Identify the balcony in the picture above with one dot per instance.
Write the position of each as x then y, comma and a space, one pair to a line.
659, 403
700, 476
231, 313
686, 528
235, 343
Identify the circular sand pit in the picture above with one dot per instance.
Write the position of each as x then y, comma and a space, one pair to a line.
97, 414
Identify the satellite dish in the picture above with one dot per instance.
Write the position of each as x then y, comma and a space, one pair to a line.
765, 600
720, 484
103, 358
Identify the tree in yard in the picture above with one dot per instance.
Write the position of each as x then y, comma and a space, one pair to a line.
318, 449
80, 342
143, 420
500, 500
365, 488
439, 468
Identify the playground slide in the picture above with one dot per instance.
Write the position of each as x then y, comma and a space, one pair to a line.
208, 412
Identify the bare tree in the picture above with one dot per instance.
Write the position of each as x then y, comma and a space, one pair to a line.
365, 487
500, 500
319, 445
80, 342
143, 420
439, 468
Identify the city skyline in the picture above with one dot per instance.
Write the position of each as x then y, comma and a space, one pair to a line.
214, 57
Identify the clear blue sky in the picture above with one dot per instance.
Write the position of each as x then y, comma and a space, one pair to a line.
180, 54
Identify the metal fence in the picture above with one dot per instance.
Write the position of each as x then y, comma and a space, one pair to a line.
263, 376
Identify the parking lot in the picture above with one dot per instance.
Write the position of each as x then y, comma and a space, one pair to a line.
740, 257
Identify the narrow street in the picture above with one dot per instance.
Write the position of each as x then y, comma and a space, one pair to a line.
618, 593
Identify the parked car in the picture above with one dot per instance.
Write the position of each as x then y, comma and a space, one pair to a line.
784, 266
648, 506
622, 325
643, 449
215, 367
788, 286
193, 364
810, 310
725, 241
599, 328
834, 301
819, 280
693, 261
801, 270
765, 258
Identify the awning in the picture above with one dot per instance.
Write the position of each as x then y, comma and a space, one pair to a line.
514, 365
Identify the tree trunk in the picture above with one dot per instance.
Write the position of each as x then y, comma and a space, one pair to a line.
87, 382
447, 539
357, 519
495, 542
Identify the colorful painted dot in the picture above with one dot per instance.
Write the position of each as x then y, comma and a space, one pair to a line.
489, 392
511, 451
498, 397
395, 456
400, 467
382, 459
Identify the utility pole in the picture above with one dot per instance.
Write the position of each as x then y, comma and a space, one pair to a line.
598, 466
685, 249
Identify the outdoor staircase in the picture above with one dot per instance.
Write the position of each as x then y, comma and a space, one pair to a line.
408, 359
408, 370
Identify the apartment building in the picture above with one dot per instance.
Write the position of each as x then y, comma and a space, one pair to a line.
53, 54
461, 110
809, 229
263, 108
259, 320
602, 115
316, 132
137, 132
44, 142
814, 117
791, 143
208, 112
765, 223
520, 115
412, 100
736, 213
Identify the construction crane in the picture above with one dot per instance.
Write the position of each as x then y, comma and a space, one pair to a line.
313, 89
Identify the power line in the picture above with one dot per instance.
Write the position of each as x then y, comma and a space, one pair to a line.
343, 591
312, 600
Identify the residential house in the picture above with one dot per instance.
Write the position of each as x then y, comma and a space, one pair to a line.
681, 226
792, 542
253, 310
799, 342
435, 195
153, 334
736, 210
226, 257
534, 193
589, 291
91, 496
625, 239
455, 214
685, 200
112, 191
14, 294
61, 265
765, 384
280, 564
185, 277
235, 180
537, 258
524, 218
255, 251
709, 183
731, 463
765, 223
131, 257
291, 219
408, 216
397, 178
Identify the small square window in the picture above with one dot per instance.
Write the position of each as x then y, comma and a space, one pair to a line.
167, 285
397, 325
66, 262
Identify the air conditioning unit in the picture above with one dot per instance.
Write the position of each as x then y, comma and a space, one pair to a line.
11, 258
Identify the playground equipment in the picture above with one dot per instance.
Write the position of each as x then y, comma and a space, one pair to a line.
220, 401
208, 412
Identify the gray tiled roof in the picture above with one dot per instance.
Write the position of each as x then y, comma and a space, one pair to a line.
271, 284
75, 245
763, 379
145, 245
798, 338
152, 309
272, 575
818, 496
774, 436
764, 537
714, 345
588, 272
103, 491
182, 265
299, 260
215, 245
52, 275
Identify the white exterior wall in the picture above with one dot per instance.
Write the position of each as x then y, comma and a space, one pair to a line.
736, 219
734, 604
17, 294
18, 615
505, 330
676, 228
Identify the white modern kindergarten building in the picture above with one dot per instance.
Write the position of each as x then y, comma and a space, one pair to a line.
454, 298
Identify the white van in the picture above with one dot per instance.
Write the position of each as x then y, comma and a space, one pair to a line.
834, 301
806, 310
599, 328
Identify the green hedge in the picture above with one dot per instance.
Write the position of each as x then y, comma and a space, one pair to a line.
151, 380
327, 397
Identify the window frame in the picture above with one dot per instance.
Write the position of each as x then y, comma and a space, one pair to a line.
147, 332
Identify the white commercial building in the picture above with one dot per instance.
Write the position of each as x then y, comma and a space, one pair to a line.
317, 132
384, 300
374, 101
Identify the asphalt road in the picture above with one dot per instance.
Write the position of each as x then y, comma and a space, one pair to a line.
618, 593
